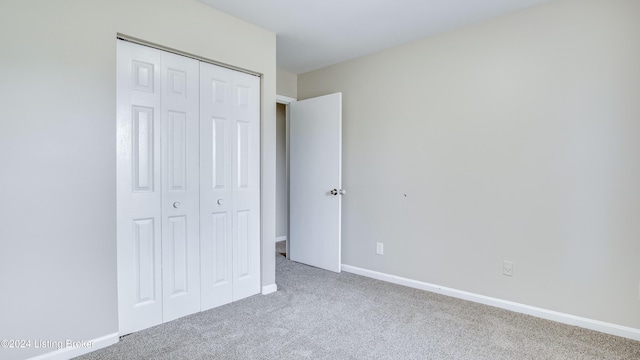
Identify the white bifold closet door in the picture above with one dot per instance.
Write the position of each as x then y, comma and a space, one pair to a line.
229, 185
158, 194
177, 244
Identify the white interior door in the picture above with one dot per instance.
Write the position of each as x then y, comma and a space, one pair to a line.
139, 191
229, 185
315, 155
246, 182
180, 186
157, 187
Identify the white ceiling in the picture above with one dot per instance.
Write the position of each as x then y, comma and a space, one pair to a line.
315, 34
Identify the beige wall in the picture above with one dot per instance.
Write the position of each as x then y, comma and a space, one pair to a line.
58, 151
516, 139
287, 84
282, 191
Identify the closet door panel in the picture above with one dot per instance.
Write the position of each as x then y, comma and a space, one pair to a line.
139, 192
246, 181
216, 189
180, 186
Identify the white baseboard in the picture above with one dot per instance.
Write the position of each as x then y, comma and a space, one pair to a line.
266, 290
601, 326
66, 353
281, 238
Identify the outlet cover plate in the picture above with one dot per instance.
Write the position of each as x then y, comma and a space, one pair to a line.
379, 248
507, 268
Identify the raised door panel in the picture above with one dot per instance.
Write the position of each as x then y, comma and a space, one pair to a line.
176, 261
143, 148
144, 262
138, 188
180, 180
177, 150
243, 244
219, 154
243, 131
217, 288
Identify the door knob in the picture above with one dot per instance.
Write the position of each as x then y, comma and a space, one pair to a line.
338, 192
176, 204
342, 191
334, 192
220, 201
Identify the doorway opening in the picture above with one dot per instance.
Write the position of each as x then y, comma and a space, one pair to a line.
282, 175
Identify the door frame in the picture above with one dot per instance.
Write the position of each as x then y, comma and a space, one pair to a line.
286, 101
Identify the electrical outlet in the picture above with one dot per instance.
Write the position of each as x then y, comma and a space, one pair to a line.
379, 248
507, 268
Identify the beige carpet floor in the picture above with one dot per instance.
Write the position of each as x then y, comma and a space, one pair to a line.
317, 314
